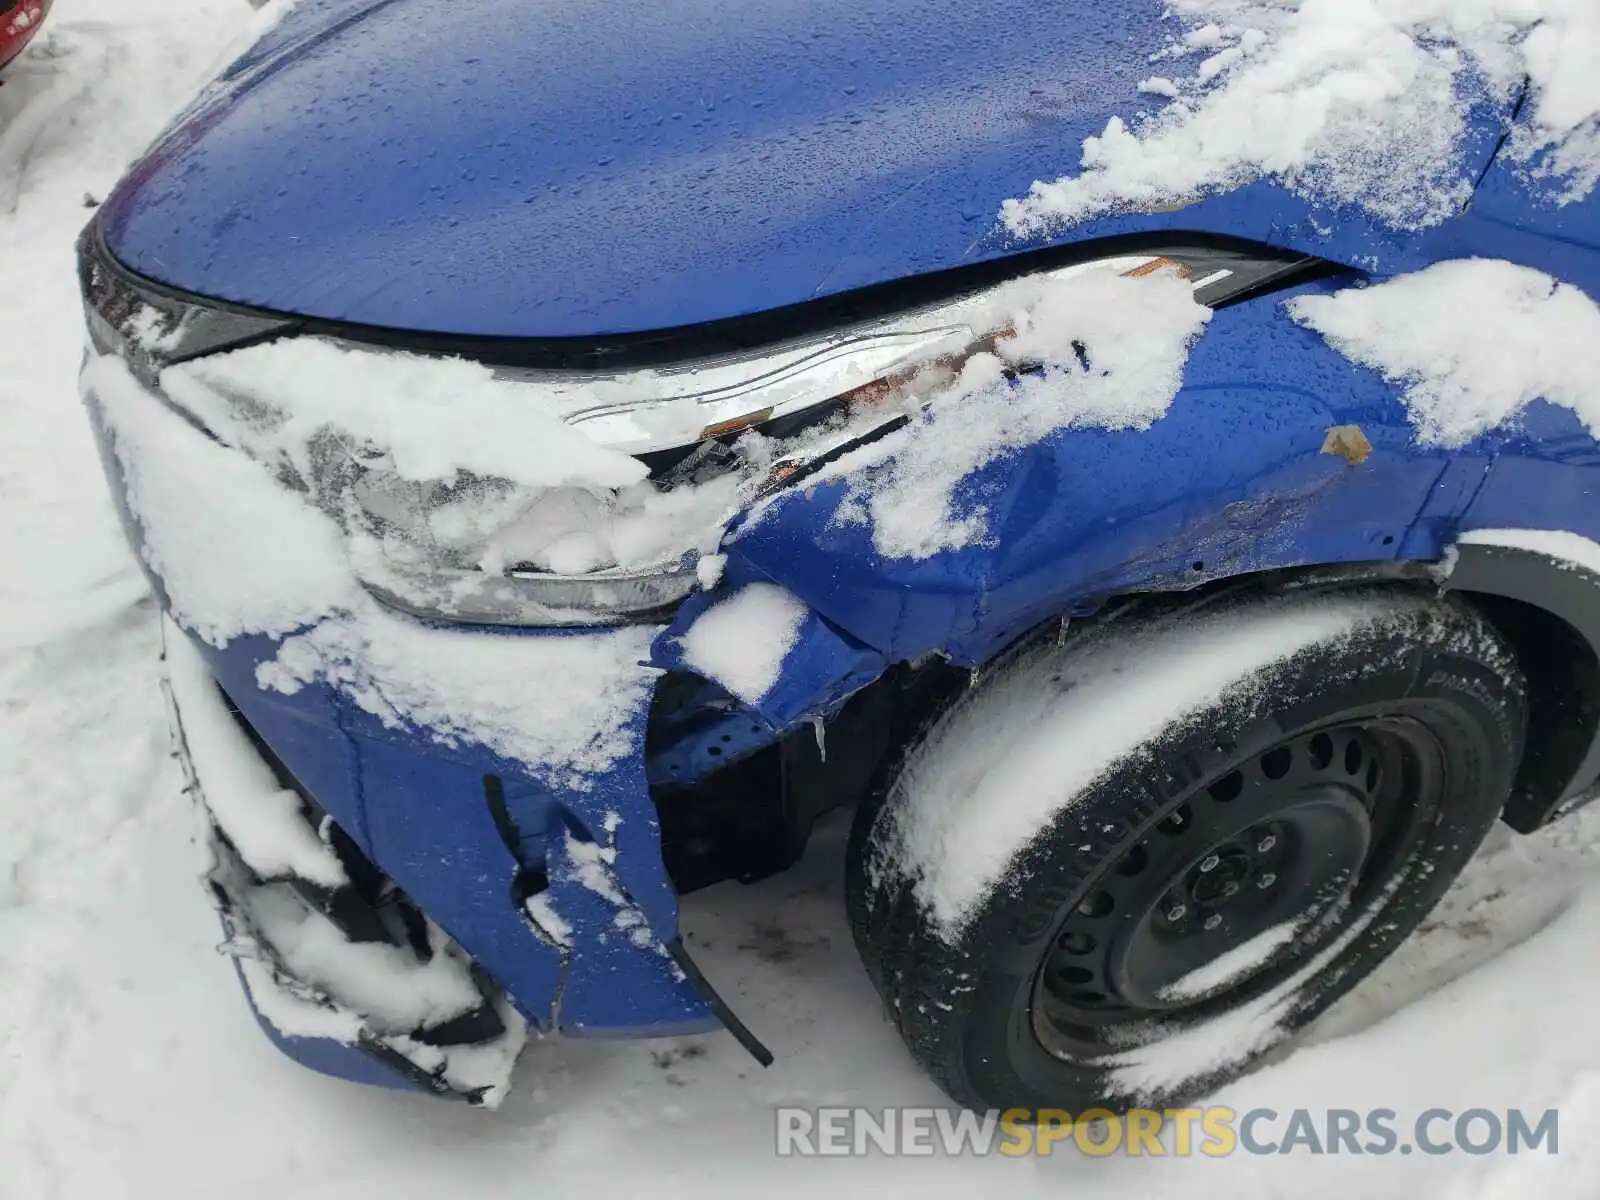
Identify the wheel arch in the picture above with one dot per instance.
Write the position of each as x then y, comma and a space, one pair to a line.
1545, 605
1548, 608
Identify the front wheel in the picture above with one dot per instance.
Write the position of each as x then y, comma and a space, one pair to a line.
1117, 871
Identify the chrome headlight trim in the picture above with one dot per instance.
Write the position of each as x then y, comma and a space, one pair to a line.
731, 392
533, 598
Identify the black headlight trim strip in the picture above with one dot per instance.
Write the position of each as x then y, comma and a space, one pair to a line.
754, 331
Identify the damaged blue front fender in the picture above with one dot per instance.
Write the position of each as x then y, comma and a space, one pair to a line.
1239, 476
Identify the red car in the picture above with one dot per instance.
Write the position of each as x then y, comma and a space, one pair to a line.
19, 21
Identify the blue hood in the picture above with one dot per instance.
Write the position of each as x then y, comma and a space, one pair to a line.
560, 168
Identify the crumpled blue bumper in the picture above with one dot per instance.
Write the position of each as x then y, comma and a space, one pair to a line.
549, 876
465, 833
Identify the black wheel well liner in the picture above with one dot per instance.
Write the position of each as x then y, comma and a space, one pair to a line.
1549, 610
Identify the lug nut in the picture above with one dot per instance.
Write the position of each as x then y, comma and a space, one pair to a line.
1177, 912
1213, 920
1266, 843
1209, 862
1267, 880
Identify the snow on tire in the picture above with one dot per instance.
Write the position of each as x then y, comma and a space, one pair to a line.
1116, 871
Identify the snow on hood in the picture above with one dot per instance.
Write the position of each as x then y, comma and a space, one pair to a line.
1472, 342
1346, 101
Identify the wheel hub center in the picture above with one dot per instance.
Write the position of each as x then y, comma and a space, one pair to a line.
1212, 884
1298, 852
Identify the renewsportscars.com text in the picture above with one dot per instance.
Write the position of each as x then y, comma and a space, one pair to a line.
1212, 1132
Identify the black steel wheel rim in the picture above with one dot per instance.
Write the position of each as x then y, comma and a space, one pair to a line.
1238, 880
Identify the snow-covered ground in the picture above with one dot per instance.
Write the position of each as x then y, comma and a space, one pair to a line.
130, 1066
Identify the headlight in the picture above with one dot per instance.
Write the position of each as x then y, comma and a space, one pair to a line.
521, 497
495, 552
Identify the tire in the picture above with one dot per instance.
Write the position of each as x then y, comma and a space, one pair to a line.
1117, 871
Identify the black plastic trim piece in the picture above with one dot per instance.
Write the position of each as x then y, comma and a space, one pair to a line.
527, 881
741, 1031
616, 351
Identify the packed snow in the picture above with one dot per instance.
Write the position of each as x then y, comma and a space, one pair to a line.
741, 642
131, 1068
1204, 1048
1227, 969
1359, 102
307, 977
389, 985
1471, 343
591, 867
431, 417
480, 469
259, 815
258, 556
563, 705
556, 928
253, 557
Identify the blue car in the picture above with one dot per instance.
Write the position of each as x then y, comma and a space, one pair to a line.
576, 446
